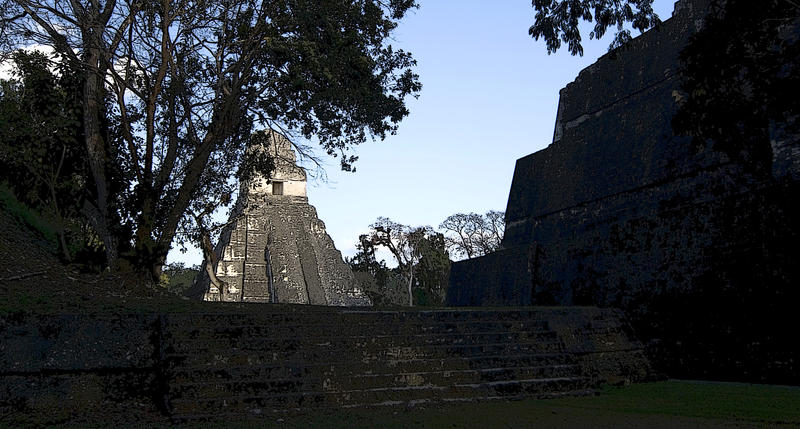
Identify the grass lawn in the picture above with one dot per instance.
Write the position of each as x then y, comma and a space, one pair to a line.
668, 404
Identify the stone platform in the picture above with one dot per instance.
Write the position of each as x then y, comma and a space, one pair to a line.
238, 362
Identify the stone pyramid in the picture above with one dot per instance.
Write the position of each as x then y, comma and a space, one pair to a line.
275, 248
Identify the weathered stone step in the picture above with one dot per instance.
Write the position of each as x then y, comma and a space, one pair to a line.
326, 353
260, 404
281, 315
353, 328
206, 388
508, 388
222, 415
350, 368
447, 378
191, 409
371, 341
210, 389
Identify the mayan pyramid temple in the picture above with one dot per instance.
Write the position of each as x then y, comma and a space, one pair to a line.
276, 250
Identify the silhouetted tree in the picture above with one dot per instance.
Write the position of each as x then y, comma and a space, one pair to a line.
471, 235
557, 21
420, 254
41, 155
187, 82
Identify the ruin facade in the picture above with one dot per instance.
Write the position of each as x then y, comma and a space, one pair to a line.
619, 203
275, 248
619, 211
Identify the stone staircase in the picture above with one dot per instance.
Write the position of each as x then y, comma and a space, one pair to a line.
294, 357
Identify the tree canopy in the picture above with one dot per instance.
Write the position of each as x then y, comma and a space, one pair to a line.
557, 21
422, 259
471, 235
41, 151
171, 91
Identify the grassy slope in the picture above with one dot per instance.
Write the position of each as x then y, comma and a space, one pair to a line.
33, 280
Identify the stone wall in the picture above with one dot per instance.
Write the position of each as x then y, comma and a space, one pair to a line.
618, 211
614, 133
72, 367
243, 360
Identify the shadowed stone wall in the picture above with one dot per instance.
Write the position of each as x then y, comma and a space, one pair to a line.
241, 360
618, 211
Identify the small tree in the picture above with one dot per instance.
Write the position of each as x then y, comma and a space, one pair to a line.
419, 252
399, 240
177, 277
472, 235
433, 269
461, 232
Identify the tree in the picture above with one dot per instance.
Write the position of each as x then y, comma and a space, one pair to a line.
472, 235
183, 84
40, 151
399, 240
418, 252
433, 269
461, 232
737, 71
177, 277
557, 21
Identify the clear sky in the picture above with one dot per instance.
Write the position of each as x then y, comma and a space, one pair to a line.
489, 97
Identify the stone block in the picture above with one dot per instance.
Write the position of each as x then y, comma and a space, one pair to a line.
234, 252
255, 272
256, 243
229, 268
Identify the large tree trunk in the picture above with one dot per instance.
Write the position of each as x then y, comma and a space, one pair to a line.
223, 121
95, 146
151, 251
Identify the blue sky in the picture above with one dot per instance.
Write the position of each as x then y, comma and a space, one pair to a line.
489, 97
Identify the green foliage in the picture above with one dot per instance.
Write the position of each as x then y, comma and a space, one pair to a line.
557, 21
43, 227
40, 133
471, 235
177, 277
171, 92
433, 270
423, 264
258, 162
41, 155
737, 74
384, 287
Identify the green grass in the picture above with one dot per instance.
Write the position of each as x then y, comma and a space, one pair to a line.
730, 401
660, 404
28, 216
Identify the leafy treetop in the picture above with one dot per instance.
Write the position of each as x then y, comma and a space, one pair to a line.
557, 21
171, 92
